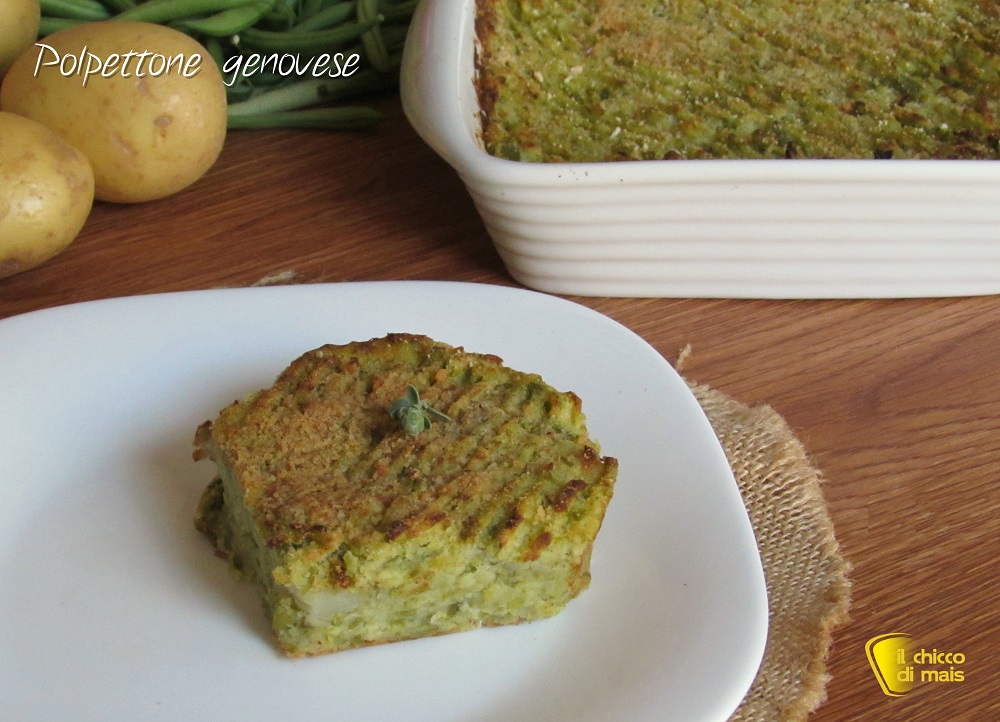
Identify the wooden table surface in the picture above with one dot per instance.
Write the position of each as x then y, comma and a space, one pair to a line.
898, 401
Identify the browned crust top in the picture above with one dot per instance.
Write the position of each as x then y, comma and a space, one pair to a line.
320, 459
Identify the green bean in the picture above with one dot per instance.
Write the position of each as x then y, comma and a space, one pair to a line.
308, 8
285, 15
322, 118
325, 18
265, 82
394, 35
372, 40
237, 93
399, 12
74, 9
47, 25
304, 93
229, 22
214, 48
317, 40
294, 96
120, 5
161, 11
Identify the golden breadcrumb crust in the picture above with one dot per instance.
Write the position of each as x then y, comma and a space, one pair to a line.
599, 80
321, 460
328, 496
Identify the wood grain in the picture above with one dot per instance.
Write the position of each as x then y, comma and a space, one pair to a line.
897, 401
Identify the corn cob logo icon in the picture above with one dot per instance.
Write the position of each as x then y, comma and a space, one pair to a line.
891, 661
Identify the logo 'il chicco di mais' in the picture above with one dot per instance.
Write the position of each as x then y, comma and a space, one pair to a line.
898, 668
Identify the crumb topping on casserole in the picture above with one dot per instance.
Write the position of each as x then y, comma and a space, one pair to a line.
360, 532
596, 80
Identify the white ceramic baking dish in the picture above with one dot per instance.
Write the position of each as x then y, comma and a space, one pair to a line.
704, 228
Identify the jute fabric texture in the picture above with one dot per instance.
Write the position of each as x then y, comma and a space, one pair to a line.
807, 578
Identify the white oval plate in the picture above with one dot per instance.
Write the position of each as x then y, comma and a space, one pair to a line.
112, 607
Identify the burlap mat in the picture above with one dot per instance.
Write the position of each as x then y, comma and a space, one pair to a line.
807, 578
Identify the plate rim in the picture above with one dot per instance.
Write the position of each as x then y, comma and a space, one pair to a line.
432, 287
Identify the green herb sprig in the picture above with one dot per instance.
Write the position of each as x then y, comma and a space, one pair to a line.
413, 414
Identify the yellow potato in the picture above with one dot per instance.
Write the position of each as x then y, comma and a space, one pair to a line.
46, 191
18, 29
145, 103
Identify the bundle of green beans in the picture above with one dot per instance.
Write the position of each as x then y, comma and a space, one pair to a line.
241, 33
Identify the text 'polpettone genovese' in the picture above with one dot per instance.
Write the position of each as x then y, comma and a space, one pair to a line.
332, 66
139, 64
148, 63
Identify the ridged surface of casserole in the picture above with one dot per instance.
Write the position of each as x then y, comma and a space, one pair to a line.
602, 80
359, 534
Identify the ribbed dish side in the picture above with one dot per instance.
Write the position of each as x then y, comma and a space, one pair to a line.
728, 246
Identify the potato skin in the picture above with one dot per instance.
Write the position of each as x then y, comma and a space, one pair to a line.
46, 192
18, 29
146, 137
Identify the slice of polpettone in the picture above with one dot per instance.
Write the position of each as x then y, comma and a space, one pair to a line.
401, 488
